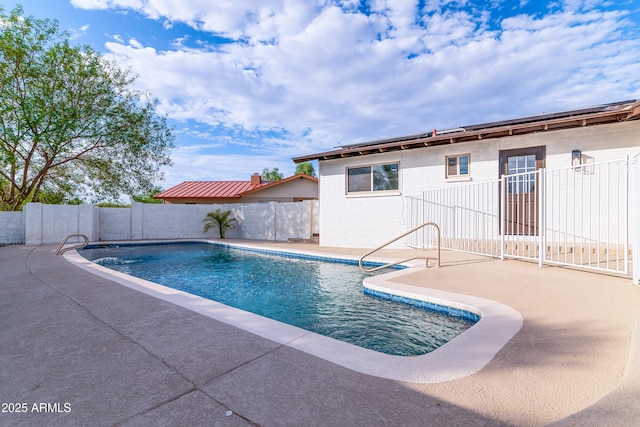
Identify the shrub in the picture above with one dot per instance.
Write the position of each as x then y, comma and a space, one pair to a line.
219, 219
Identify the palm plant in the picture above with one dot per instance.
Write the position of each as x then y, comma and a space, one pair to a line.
222, 220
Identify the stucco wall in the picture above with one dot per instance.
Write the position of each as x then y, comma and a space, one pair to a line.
368, 220
292, 218
114, 224
12, 229
49, 224
300, 188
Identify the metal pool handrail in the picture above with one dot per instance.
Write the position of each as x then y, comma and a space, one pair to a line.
369, 270
60, 250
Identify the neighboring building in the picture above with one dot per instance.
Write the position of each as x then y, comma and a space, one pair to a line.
368, 190
292, 189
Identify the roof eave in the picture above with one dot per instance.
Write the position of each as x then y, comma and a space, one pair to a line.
629, 112
279, 182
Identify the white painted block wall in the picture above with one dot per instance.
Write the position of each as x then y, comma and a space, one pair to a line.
49, 224
366, 221
12, 229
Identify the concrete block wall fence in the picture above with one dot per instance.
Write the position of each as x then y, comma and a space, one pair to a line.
12, 228
48, 224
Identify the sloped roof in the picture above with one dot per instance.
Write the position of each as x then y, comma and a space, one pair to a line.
208, 189
272, 184
596, 115
221, 189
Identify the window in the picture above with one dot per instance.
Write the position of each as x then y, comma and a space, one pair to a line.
359, 179
373, 178
458, 166
523, 182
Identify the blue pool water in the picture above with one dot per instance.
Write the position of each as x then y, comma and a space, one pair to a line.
319, 295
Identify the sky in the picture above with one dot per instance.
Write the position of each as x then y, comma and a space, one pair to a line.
249, 84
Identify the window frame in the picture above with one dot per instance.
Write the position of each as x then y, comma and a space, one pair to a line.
372, 191
457, 176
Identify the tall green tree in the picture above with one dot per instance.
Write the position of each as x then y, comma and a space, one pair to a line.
71, 120
306, 168
148, 196
271, 175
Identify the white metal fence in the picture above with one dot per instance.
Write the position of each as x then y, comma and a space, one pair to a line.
579, 216
587, 216
635, 210
468, 217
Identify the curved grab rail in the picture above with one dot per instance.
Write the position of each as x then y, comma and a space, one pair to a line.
391, 264
60, 250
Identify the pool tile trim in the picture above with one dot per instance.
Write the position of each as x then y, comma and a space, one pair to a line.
463, 356
426, 305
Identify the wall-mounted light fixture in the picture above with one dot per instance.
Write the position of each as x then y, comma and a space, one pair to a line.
576, 158
582, 163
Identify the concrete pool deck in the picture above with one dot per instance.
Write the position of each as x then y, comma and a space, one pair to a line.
79, 349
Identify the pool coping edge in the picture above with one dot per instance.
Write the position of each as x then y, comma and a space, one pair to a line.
463, 356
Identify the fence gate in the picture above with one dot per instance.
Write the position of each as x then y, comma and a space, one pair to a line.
579, 216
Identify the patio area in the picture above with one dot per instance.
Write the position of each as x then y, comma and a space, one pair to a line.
98, 353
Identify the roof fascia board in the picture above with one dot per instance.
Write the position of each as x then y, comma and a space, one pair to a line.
630, 112
279, 182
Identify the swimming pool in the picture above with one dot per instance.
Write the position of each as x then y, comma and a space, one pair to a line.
324, 296
463, 356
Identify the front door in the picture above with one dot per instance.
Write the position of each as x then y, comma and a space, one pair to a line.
521, 189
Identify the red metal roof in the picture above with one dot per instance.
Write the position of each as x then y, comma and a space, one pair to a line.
222, 189
209, 189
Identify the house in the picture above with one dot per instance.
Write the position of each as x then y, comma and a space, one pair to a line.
292, 189
487, 180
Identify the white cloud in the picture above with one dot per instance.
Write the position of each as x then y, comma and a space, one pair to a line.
192, 163
232, 19
107, 4
331, 75
76, 33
